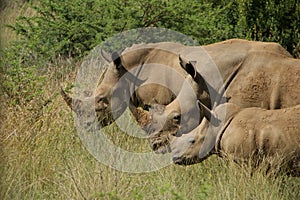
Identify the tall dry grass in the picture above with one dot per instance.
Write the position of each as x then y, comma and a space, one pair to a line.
42, 157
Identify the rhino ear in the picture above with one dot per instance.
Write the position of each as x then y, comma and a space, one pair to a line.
188, 66
116, 57
107, 57
205, 110
208, 114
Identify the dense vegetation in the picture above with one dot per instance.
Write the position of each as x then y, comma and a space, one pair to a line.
41, 154
73, 27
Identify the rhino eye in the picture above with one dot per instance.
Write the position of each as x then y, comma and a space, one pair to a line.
191, 140
177, 118
103, 100
99, 99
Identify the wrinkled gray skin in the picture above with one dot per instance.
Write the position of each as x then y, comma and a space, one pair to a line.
252, 78
141, 75
249, 133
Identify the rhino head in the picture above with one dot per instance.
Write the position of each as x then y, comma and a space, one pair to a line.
185, 149
90, 113
201, 142
181, 115
93, 114
109, 87
110, 98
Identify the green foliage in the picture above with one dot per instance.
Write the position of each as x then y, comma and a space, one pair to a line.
19, 82
71, 28
22, 82
277, 21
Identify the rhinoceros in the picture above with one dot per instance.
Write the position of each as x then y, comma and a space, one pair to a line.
266, 79
157, 75
245, 133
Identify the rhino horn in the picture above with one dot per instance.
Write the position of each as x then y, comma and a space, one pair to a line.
69, 100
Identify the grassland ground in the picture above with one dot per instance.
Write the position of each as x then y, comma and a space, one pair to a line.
42, 157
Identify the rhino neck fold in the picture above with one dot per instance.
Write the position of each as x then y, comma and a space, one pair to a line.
218, 147
220, 99
134, 81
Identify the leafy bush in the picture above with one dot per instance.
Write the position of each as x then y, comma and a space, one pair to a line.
277, 21
71, 28
22, 81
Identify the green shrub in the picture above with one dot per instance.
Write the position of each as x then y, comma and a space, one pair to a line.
277, 21
71, 28
22, 78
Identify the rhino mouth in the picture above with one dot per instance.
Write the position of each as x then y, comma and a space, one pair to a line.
184, 160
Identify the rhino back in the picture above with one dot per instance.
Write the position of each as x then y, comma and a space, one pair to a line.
229, 53
268, 132
266, 80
